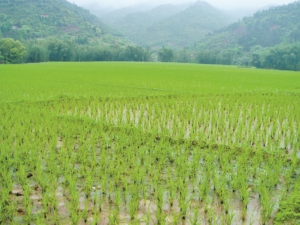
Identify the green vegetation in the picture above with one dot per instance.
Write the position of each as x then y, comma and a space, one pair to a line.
289, 210
165, 54
268, 39
265, 28
11, 51
146, 12
55, 50
150, 143
56, 30
43, 19
170, 25
131, 21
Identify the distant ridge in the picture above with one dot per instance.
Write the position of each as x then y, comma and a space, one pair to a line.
266, 28
171, 25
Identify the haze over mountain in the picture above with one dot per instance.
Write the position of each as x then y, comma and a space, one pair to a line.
112, 14
239, 13
169, 25
229, 4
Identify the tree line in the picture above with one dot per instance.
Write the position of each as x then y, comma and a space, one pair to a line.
282, 57
57, 50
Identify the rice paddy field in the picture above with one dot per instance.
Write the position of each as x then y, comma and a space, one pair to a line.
148, 143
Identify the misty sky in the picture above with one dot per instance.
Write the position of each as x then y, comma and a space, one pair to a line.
228, 4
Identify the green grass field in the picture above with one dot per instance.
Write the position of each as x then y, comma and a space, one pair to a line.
148, 143
33, 82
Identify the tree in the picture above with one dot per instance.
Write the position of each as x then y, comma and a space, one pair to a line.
165, 54
24, 32
225, 57
255, 61
298, 66
12, 51
207, 57
61, 50
183, 56
136, 53
1, 58
36, 53
282, 57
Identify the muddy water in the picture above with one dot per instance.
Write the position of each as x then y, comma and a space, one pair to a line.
146, 213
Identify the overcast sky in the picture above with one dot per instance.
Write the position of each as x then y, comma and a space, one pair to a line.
225, 4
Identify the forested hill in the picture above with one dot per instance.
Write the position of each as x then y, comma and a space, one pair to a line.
130, 20
267, 28
268, 39
187, 26
134, 22
171, 25
39, 19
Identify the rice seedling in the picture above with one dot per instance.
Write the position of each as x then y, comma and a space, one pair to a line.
167, 148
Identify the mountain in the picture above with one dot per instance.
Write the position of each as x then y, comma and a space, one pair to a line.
239, 13
134, 21
114, 16
269, 39
40, 19
187, 26
171, 25
265, 28
97, 9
